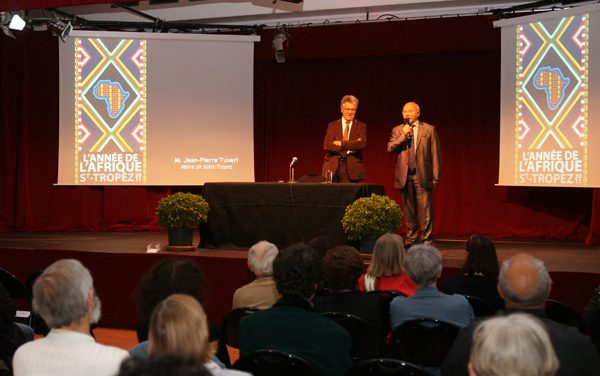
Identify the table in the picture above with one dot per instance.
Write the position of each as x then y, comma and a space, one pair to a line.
242, 214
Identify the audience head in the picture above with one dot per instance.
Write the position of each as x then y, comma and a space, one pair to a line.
481, 257
260, 258
179, 327
163, 365
322, 244
514, 345
388, 256
423, 264
524, 282
297, 270
342, 267
167, 277
64, 295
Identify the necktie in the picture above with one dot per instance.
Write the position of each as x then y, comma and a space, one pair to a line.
412, 156
347, 131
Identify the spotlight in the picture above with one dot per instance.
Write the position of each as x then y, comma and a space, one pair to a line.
280, 44
17, 22
60, 28
4, 21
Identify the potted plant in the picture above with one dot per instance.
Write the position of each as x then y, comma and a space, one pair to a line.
179, 213
367, 218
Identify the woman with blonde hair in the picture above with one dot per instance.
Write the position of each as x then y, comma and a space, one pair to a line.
179, 327
386, 271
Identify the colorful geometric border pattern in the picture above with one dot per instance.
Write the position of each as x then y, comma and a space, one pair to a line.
552, 87
110, 98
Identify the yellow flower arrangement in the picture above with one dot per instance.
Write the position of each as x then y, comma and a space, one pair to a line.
182, 210
375, 215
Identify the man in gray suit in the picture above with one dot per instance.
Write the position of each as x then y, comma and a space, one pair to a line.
418, 170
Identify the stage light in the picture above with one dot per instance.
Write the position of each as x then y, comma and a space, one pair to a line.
60, 28
4, 21
280, 44
17, 22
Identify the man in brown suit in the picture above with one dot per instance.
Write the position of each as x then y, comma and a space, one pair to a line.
344, 142
418, 170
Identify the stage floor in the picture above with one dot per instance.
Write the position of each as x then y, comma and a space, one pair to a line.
558, 255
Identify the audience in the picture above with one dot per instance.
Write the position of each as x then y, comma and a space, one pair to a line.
342, 266
172, 276
591, 317
179, 327
260, 293
12, 335
517, 344
65, 298
386, 269
163, 365
424, 266
480, 273
292, 325
524, 284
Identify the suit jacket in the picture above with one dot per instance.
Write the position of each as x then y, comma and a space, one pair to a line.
352, 149
260, 293
575, 352
291, 325
428, 155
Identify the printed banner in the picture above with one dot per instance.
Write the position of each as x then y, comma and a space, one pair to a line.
110, 111
552, 102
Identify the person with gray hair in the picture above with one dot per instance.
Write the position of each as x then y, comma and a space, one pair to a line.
423, 265
260, 293
344, 142
524, 283
64, 296
517, 344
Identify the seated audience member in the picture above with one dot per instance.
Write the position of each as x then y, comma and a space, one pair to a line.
260, 293
178, 327
517, 344
65, 298
12, 334
386, 271
591, 317
173, 276
424, 266
163, 365
342, 266
292, 325
524, 284
481, 273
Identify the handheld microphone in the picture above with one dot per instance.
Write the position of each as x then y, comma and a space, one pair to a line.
294, 160
407, 121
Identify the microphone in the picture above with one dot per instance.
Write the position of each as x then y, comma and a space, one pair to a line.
407, 121
294, 160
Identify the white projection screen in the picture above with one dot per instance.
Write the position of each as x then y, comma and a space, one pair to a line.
155, 109
550, 99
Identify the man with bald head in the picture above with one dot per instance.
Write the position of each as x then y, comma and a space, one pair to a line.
260, 293
418, 168
524, 283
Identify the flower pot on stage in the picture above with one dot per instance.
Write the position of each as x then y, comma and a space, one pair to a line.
367, 243
181, 236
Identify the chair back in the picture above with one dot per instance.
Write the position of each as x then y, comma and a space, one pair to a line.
481, 308
423, 341
230, 328
385, 367
563, 314
19, 294
367, 341
385, 298
275, 363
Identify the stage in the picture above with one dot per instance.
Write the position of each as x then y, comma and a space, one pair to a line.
117, 260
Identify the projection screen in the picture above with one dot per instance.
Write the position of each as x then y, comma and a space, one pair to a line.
155, 109
549, 130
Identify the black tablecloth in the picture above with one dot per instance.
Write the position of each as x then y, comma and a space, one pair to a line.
242, 214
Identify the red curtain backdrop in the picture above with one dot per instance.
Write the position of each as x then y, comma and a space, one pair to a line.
451, 67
